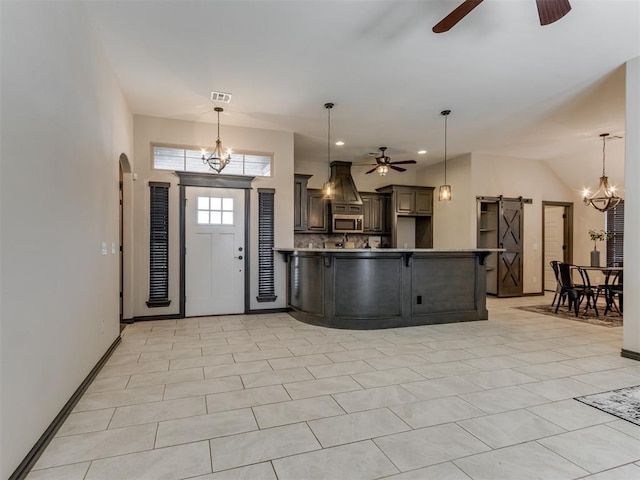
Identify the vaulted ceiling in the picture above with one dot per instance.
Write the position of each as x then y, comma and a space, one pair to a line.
515, 88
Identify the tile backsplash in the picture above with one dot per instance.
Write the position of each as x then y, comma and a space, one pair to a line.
317, 240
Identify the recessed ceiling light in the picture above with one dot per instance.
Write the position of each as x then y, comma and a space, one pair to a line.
339, 143
421, 152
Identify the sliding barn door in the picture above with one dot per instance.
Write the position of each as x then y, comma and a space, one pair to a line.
510, 265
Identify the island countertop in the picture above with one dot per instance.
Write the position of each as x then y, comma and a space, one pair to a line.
361, 288
403, 250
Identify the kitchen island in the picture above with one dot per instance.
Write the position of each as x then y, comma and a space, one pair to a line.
385, 288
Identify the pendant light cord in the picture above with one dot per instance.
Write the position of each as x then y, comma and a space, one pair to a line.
445, 149
329, 141
604, 141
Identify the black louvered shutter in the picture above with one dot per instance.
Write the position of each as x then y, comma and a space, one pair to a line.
266, 286
615, 225
159, 245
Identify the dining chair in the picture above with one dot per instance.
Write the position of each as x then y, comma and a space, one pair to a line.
567, 288
556, 272
612, 289
586, 290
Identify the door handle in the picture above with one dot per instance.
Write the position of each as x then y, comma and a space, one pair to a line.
239, 258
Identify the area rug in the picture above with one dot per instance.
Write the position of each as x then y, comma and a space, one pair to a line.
612, 319
623, 403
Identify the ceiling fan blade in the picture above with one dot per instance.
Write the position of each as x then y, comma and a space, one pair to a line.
372, 170
397, 169
403, 162
455, 16
551, 11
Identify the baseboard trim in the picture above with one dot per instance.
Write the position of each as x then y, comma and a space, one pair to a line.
147, 318
533, 294
34, 454
630, 354
270, 310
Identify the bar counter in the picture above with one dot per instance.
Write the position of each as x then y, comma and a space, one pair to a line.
384, 288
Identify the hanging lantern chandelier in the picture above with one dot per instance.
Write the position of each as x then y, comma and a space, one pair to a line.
444, 192
605, 197
218, 159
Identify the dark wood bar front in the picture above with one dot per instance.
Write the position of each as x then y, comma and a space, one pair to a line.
385, 288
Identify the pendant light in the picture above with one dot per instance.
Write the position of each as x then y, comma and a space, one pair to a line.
328, 189
217, 160
444, 192
605, 197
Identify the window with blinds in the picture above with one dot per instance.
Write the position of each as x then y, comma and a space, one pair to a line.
615, 225
159, 245
266, 210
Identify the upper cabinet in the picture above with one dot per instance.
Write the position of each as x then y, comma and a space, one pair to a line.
375, 212
317, 217
300, 220
410, 215
409, 200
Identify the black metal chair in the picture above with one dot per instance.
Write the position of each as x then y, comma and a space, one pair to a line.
567, 288
586, 290
612, 289
556, 272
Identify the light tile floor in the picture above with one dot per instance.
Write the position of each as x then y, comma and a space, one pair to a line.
263, 397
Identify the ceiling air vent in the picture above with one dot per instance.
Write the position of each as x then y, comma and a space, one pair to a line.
220, 97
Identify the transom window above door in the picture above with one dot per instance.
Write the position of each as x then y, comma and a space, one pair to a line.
186, 159
214, 211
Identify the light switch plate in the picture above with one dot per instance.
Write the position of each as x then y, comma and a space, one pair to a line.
113, 248
104, 248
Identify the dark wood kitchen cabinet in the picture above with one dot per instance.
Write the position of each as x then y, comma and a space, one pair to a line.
317, 212
410, 200
300, 220
375, 211
409, 213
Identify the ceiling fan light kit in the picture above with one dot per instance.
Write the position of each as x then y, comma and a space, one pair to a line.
328, 189
444, 192
218, 159
549, 11
605, 197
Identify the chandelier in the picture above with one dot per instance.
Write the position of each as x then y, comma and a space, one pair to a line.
444, 192
605, 197
329, 188
217, 160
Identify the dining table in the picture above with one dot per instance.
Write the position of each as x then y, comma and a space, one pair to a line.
612, 285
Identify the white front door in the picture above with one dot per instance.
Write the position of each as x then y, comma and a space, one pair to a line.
553, 242
215, 251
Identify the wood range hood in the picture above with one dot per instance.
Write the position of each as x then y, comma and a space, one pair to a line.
346, 192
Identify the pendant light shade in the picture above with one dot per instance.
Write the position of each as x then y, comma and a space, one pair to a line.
328, 189
444, 192
218, 159
605, 197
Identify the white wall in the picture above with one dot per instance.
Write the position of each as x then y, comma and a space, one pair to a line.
64, 123
150, 130
631, 333
454, 222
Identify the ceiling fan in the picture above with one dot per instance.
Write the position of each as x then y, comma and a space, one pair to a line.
384, 163
549, 11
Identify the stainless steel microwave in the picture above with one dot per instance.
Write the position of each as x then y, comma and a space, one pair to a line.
341, 223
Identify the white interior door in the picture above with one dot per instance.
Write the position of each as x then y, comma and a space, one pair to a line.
553, 242
215, 251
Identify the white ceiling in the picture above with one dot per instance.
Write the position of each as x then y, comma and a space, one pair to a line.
515, 88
